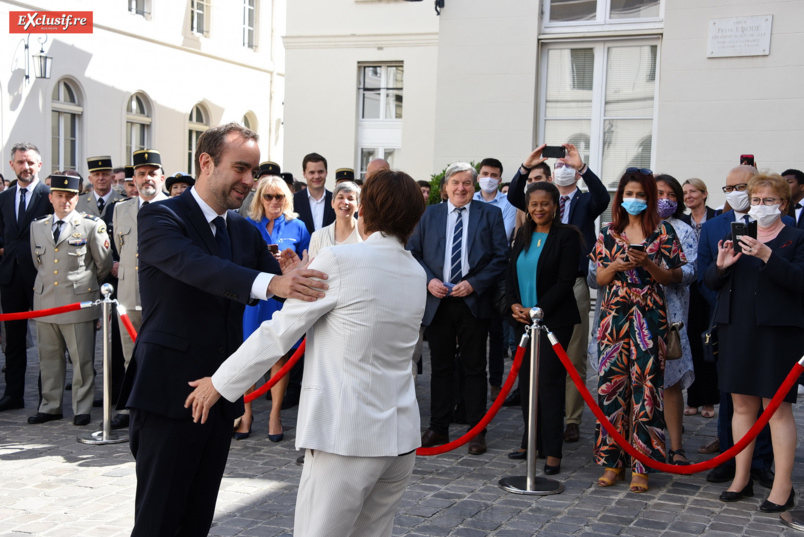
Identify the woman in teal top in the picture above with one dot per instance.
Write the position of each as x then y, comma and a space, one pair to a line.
542, 271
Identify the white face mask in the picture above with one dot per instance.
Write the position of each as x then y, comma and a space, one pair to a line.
564, 176
488, 184
765, 215
738, 200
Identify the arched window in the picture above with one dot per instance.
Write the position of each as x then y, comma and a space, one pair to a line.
66, 124
249, 121
138, 124
199, 122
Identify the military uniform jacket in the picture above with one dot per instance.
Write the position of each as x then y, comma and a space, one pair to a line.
69, 270
89, 205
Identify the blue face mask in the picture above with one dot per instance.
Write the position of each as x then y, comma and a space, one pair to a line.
634, 206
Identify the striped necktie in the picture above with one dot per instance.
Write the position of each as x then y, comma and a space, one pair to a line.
455, 271
562, 205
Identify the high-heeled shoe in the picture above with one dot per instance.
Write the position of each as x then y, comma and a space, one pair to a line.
243, 436
639, 486
604, 481
770, 507
552, 470
277, 437
732, 496
518, 455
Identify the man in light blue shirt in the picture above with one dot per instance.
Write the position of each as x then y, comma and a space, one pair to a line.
489, 177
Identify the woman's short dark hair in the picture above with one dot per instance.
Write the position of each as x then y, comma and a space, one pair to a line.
391, 203
675, 186
650, 218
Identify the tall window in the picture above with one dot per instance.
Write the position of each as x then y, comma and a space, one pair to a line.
199, 122
249, 121
138, 124
379, 125
600, 96
139, 7
199, 16
249, 21
66, 123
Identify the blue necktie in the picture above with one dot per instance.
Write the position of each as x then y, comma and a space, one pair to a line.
222, 238
747, 219
455, 272
21, 210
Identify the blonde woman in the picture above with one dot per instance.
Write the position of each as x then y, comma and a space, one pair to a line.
343, 230
271, 212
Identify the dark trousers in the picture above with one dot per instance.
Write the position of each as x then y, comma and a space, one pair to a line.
552, 391
763, 449
453, 320
703, 390
16, 297
179, 469
496, 351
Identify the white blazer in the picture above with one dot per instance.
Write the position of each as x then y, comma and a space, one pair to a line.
358, 396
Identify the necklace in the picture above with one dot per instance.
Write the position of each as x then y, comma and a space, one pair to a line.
538, 243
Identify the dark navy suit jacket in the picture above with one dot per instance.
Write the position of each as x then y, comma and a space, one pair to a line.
192, 303
487, 253
584, 208
301, 205
16, 236
717, 229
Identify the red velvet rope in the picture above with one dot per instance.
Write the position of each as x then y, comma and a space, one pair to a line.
132, 333
671, 468
249, 397
498, 403
44, 313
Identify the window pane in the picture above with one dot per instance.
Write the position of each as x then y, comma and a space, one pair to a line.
626, 143
395, 76
54, 141
570, 74
69, 95
573, 10
70, 146
371, 105
634, 9
574, 131
366, 156
390, 155
393, 105
372, 77
630, 81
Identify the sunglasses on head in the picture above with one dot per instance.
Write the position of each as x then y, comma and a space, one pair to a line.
271, 197
643, 171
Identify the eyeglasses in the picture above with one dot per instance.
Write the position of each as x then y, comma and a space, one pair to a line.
271, 197
764, 201
739, 188
643, 171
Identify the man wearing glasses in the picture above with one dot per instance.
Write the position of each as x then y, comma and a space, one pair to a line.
714, 230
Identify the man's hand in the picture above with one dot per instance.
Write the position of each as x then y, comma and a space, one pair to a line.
573, 158
437, 288
535, 157
298, 282
115, 266
288, 260
202, 398
462, 289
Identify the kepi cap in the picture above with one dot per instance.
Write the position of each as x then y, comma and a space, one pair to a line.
146, 157
288, 177
268, 168
96, 164
129, 173
65, 183
344, 174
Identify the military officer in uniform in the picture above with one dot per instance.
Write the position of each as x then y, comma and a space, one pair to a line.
129, 186
101, 176
149, 178
72, 255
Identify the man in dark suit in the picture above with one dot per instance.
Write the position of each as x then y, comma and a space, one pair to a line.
795, 178
314, 203
200, 264
462, 247
19, 206
579, 209
717, 229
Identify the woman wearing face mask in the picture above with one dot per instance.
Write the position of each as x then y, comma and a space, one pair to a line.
761, 331
343, 230
544, 262
635, 255
678, 374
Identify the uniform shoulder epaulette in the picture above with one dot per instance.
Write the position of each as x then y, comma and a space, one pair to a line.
91, 217
42, 217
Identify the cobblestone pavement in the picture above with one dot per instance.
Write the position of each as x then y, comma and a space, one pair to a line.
51, 485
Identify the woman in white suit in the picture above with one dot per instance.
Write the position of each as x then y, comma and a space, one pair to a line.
343, 230
358, 416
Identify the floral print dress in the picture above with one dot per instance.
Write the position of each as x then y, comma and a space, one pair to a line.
632, 348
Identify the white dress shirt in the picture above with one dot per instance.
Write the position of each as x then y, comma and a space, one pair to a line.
452, 218
317, 209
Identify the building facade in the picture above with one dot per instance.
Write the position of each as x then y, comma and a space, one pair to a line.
153, 73
678, 86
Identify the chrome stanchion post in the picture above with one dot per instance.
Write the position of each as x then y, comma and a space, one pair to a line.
531, 484
106, 435
793, 519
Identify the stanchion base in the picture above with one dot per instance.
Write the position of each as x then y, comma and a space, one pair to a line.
541, 485
97, 438
793, 519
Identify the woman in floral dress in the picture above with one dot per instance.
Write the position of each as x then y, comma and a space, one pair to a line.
635, 255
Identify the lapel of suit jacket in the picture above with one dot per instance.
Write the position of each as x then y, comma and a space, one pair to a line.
30, 209
474, 220
329, 212
234, 236
93, 205
302, 206
195, 216
440, 232
573, 202
13, 229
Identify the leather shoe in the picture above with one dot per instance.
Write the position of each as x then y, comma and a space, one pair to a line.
518, 455
551, 470
41, 417
97, 403
720, 474
572, 433
730, 496
431, 438
495, 391
763, 476
477, 445
513, 398
81, 419
770, 507
120, 421
711, 447
10, 403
